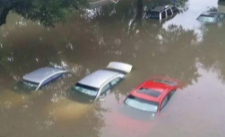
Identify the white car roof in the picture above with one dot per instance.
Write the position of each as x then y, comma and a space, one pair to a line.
98, 78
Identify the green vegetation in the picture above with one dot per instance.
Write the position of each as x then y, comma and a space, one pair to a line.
47, 12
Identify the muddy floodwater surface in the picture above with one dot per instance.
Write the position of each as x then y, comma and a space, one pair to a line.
180, 47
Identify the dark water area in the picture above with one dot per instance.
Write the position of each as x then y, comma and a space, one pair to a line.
180, 47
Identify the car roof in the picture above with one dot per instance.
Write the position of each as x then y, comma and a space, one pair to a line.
98, 78
161, 8
156, 90
40, 74
210, 13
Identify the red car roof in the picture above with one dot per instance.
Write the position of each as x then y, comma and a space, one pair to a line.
155, 86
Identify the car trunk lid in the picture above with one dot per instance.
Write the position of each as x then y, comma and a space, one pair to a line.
120, 66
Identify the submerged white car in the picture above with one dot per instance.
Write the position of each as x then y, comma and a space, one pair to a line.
101, 81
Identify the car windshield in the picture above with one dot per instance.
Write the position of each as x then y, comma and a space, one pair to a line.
91, 91
25, 87
152, 15
141, 104
206, 19
30, 84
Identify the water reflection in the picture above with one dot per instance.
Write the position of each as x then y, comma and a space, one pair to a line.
80, 97
123, 123
10, 99
188, 19
194, 97
22, 88
85, 117
66, 109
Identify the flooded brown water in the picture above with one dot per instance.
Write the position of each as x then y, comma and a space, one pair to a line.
180, 48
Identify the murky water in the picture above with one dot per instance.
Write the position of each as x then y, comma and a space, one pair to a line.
180, 48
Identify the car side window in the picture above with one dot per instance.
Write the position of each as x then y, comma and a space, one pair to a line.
221, 16
115, 81
105, 88
50, 79
165, 101
174, 9
171, 93
169, 12
163, 14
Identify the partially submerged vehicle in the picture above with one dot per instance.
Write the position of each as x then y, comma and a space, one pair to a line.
161, 12
99, 83
150, 97
211, 17
41, 77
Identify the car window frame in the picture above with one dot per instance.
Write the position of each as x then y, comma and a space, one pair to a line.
112, 85
170, 12
50, 79
173, 9
171, 93
58, 74
149, 13
162, 14
101, 92
218, 19
105, 90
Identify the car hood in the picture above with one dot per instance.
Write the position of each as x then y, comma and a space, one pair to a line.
135, 113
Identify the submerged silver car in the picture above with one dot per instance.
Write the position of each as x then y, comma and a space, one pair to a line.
211, 17
42, 76
101, 81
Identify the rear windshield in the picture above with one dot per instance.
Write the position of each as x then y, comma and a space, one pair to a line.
167, 82
88, 90
149, 92
30, 84
152, 15
141, 104
206, 19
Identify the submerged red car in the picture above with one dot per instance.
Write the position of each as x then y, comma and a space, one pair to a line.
152, 95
